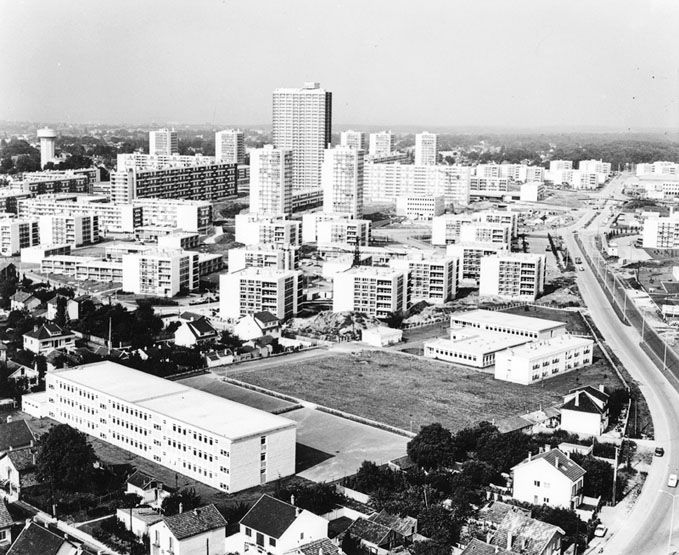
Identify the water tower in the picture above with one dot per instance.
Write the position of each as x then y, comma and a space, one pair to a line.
47, 138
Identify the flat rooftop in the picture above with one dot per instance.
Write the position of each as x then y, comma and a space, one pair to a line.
191, 406
479, 342
550, 346
504, 319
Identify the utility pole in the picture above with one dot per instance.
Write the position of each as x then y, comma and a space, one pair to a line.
615, 473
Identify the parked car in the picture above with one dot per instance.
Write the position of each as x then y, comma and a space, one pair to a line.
672, 481
659, 451
582, 268
600, 531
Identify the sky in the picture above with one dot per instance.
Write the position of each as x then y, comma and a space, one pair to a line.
448, 63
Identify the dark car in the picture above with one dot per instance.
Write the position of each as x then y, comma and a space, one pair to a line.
659, 451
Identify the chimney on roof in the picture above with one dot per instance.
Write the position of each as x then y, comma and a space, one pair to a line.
181, 508
577, 399
547, 447
9, 418
602, 388
530, 456
292, 499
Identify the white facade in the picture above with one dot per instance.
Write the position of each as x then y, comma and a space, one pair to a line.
371, 290
484, 232
36, 254
331, 230
302, 122
426, 149
595, 166
445, 229
263, 256
420, 207
254, 290
230, 146
433, 279
163, 142
47, 138
540, 360
513, 276
354, 139
387, 182
658, 168
342, 181
533, 191
661, 232
471, 255
488, 186
510, 324
16, 235
271, 182
75, 229
217, 442
162, 273
381, 144
255, 230
381, 336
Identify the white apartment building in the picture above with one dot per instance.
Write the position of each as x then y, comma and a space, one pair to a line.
73, 229
500, 217
339, 232
254, 230
354, 139
271, 182
533, 191
560, 165
433, 279
160, 273
220, 443
381, 144
36, 254
471, 254
420, 207
583, 180
387, 182
182, 240
521, 173
445, 229
254, 290
193, 216
657, 168
488, 186
172, 177
302, 122
263, 256
342, 182
595, 166
50, 182
371, 290
426, 149
535, 329
229, 147
661, 232
513, 276
163, 142
470, 347
541, 360
83, 268
484, 232
17, 234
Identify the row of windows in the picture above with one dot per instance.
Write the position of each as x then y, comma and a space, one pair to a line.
197, 436
131, 411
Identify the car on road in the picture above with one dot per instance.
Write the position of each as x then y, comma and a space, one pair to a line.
600, 531
672, 481
659, 452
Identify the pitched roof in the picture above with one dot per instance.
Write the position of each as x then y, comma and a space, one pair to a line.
593, 391
270, 516
190, 316
197, 521
21, 296
401, 525
22, 459
140, 479
318, 547
560, 461
369, 531
47, 331
477, 547
6, 519
529, 536
265, 317
513, 424
201, 327
403, 463
581, 402
495, 511
15, 434
36, 539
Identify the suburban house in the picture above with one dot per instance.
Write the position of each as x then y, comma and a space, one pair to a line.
151, 490
17, 470
323, 546
138, 520
381, 336
259, 324
6, 523
52, 305
548, 478
19, 372
478, 547
374, 537
585, 411
525, 535
201, 530
48, 337
35, 538
194, 331
22, 300
491, 515
276, 527
404, 526
15, 434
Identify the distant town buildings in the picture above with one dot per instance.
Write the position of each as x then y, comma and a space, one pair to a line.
354, 139
255, 230
342, 182
229, 147
426, 149
512, 276
47, 137
271, 182
163, 142
381, 144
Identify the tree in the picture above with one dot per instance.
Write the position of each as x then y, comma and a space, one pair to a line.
61, 318
429, 548
432, 447
351, 545
371, 478
187, 498
41, 366
65, 458
317, 498
599, 478
130, 500
394, 319
7, 288
439, 524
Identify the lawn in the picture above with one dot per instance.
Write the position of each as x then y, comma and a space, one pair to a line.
404, 390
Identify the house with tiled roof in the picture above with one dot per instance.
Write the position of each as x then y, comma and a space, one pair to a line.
374, 537
317, 547
6, 523
35, 538
138, 520
521, 534
478, 547
19, 373
151, 490
548, 478
276, 527
23, 300
15, 435
17, 470
404, 526
201, 530
585, 411
491, 515
47, 338
195, 331
259, 324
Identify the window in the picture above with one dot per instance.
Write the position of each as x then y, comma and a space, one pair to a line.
536, 483
248, 532
272, 542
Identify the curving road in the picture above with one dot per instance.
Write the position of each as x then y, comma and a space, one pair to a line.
650, 527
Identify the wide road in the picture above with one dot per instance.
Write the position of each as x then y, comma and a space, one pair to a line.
649, 528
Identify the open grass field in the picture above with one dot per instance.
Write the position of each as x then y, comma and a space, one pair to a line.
404, 390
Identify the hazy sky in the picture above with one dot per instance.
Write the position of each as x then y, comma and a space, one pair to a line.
527, 63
